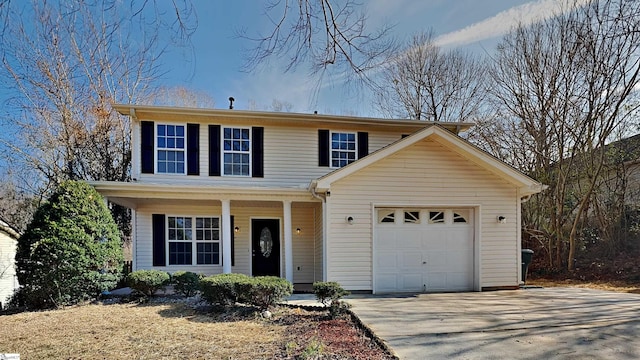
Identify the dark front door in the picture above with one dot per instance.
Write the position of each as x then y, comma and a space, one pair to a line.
265, 247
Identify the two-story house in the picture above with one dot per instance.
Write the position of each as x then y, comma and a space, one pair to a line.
375, 204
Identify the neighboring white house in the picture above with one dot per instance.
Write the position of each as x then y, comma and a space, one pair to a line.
375, 204
8, 279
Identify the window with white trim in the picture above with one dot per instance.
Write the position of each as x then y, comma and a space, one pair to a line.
170, 148
182, 242
236, 151
343, 149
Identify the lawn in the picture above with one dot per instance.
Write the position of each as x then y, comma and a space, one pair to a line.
179, 330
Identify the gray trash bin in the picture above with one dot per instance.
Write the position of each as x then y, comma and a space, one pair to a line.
527, 256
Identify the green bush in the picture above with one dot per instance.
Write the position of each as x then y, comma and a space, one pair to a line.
185, 283
71, 251
269, 290
329, 294
147, 282
328, 291
262, 292
224, 289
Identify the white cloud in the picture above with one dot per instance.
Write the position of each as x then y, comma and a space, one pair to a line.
504, 21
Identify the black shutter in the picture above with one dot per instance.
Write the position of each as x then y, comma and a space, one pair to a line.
257, 152
363, 144
193, 149
214, 150
323, 147
158, 234
233, 246
146, 146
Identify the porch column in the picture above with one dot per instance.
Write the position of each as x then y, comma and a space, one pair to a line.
288, 242
226, 236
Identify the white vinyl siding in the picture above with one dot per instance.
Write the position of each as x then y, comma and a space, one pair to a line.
318, 248
290, 158
303, 243
425, 174
8, 280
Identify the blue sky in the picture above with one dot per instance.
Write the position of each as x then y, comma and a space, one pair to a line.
214, 66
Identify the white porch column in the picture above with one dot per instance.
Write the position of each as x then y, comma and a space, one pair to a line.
226, 236
288, 242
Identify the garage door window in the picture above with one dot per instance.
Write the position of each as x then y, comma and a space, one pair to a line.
436, 217
460, 217
386, 216
412, 217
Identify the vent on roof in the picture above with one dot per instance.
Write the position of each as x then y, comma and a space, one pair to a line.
231, 100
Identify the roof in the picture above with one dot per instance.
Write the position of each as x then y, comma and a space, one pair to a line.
277, 118
526, 185
4, 227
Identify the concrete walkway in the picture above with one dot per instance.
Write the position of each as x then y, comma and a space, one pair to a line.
553, 323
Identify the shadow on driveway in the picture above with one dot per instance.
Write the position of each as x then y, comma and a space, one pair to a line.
552, 323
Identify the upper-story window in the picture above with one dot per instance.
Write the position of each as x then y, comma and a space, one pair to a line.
343, 149
170, 145
236, 153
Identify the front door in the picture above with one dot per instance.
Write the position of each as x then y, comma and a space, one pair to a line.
265, 247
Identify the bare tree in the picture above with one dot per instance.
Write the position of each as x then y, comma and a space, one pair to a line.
564, 83
179, 96
324, 34
281, 106
65, 63
425, 82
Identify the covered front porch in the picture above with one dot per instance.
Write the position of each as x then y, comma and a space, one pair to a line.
250, 231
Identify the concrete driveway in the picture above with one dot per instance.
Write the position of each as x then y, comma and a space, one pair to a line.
550, 323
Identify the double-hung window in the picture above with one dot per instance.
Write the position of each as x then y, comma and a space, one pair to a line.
193, 240
170, 144
236, 154
343, 149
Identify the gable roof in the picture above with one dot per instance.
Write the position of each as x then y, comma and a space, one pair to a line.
526, 185
164, 113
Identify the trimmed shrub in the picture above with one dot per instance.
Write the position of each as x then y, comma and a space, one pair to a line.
269, 290
224, 289
71, 250
328, 291
261, 292
185, 283
147, 282
329, 294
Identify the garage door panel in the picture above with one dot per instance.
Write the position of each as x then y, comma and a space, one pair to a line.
436, 281
425, 256
411, 260
387, 261
387, 282
437, 260
387, 239
411, 282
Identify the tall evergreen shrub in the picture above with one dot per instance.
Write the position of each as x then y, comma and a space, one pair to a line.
71, 251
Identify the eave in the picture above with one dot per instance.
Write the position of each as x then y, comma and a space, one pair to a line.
134, 194
162, 113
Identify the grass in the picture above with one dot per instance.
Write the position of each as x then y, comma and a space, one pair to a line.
136, 331
612, 285
175, 328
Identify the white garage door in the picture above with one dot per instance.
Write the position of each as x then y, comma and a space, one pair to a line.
423, 250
